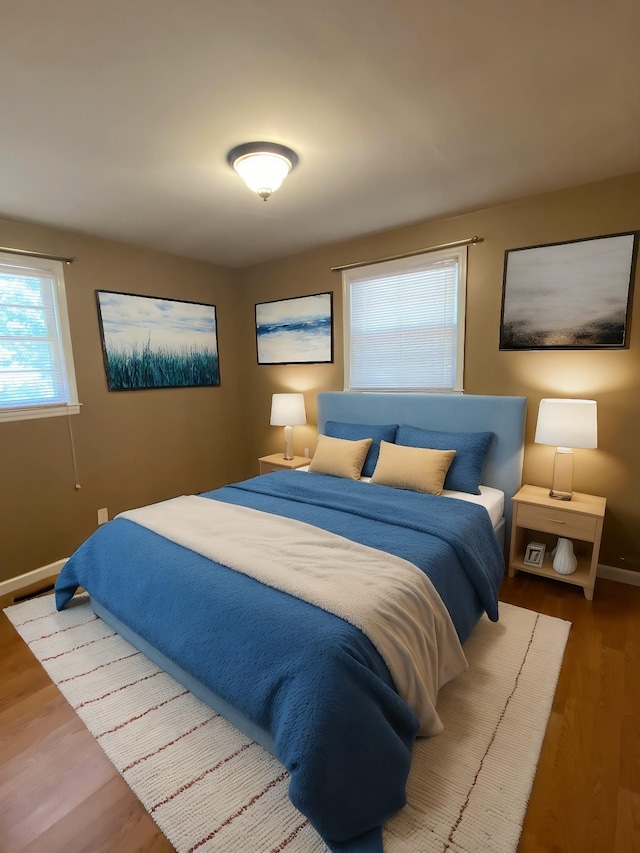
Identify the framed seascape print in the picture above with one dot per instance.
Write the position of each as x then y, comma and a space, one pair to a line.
295, 331
573, 295
149, 342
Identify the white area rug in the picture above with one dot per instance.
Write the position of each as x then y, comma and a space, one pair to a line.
210, 788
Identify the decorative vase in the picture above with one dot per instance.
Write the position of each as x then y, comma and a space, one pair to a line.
564, 560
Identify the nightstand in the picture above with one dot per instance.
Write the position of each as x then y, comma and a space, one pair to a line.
277, 462
536, 516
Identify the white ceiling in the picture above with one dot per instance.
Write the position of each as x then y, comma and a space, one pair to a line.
116, 117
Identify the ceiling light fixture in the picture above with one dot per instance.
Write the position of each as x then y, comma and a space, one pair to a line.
263, 166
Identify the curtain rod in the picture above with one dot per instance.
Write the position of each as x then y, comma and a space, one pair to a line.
466, 242
37, 255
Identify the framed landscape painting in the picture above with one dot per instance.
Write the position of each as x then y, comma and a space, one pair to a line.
149, 342
573, 295
295, 331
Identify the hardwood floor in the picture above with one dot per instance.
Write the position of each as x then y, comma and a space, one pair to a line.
58, 792
586, 795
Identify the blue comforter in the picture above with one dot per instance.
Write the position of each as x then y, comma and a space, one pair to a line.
312, 681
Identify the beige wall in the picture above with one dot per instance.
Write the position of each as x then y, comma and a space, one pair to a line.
133, 447
612, 377
143, 446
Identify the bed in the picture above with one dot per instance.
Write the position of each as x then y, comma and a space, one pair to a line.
307, 682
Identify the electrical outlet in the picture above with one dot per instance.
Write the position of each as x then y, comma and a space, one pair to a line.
103, 515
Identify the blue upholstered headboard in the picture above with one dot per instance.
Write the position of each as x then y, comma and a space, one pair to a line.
504, 416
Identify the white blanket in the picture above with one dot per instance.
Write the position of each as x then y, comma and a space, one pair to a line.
392, 601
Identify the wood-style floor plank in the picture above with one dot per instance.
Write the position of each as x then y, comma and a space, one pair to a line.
627, 839
110, 819
58, 791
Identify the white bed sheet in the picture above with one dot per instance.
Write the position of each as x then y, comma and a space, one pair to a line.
491, 499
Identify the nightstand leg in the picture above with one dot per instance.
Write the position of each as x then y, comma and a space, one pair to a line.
588, 593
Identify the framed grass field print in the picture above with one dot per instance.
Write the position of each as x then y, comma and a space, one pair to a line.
151, 342
295, 331
573, 295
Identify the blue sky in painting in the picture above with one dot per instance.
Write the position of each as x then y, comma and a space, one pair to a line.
132, 321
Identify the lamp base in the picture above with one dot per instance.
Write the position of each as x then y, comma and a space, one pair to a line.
288, 442
561, 488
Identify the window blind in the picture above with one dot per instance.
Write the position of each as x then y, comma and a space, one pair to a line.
404, 326
33, 371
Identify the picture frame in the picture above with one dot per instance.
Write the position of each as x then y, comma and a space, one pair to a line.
296, 330
570, 295
155, 342
534, 554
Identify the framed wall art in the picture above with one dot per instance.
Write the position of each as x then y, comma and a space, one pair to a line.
572, 295
152, 342
295, 331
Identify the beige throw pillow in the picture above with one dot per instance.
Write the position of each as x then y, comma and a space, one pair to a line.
417, 468
340, 457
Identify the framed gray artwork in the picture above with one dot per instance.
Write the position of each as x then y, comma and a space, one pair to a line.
571, 295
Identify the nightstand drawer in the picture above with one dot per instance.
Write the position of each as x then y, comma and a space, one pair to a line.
563, 522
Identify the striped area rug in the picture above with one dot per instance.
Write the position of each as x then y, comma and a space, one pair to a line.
210, 788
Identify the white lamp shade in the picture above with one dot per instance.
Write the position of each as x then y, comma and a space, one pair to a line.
263, 172
288, 410
263, 166
567, 423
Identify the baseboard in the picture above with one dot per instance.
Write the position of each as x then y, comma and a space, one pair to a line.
29, 580
613, 573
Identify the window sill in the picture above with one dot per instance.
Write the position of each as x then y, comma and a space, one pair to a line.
405, 390
27, 413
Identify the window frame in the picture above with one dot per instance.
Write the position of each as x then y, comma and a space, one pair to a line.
396, 267
21, 266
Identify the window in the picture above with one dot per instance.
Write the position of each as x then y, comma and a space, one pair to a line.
404, 323
37, 378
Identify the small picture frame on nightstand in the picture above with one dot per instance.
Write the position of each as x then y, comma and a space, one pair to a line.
534, 555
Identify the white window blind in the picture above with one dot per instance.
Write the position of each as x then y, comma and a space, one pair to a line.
404, 324
37, 377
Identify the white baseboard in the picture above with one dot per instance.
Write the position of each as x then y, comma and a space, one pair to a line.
30, 578
613, 573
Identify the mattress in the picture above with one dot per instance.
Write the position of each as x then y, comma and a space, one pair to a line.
491, 499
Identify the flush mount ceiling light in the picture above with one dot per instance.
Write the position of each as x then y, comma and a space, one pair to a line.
263, 166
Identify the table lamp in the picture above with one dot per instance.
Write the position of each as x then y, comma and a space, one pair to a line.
566, 424
288, 410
